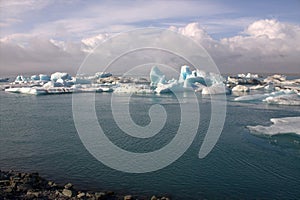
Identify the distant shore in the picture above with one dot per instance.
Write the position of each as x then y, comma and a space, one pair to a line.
24, 185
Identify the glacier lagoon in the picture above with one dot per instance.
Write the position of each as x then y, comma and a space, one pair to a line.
38, 133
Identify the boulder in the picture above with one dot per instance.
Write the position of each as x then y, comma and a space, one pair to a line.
67, 193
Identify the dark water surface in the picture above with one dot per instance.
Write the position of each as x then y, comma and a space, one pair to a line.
37, 133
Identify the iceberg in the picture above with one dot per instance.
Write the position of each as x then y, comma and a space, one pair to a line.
284, 125
240, 88
133, 89
60, 75
20, 79
27, 90
102, 75
172, 86
185, 72
35, 78
206, 82
44, 77
216, 89
156, 76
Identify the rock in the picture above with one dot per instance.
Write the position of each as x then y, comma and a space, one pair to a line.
165, 198
110, 193
51, 184
67, 193
8, 190
99, 195
153, 198
13, 185
80, 195
4, 182
24, 187
128, 197
31, 194
68, 186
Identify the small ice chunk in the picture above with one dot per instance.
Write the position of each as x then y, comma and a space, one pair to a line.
280, 126
240, 88
60, 75
286, 99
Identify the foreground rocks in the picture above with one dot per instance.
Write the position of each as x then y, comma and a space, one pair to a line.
17, 185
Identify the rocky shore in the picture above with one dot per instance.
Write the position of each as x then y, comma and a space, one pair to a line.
21, 185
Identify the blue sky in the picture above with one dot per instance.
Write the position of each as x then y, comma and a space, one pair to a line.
74, 20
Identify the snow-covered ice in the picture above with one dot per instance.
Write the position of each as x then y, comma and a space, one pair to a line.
280, 126
286, 99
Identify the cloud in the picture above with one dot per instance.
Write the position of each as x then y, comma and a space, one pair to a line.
266, 45
194, 31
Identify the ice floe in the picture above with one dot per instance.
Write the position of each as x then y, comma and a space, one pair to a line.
280, 126
286, 99
240, 88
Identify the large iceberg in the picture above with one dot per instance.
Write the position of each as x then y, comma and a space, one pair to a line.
156, 76
197, 80
280, 126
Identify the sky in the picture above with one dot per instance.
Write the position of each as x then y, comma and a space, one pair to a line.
44, 36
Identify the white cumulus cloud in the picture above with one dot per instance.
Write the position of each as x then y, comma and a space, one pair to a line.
264, 46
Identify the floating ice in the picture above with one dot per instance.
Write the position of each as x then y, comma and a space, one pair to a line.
44, 77
254, 97
196, 80
156, 76
286, 99
133, 88
171, 86
280, 126
216, 89
20, 79
261, 97
240, 88
103, 74
27, 90
60, 75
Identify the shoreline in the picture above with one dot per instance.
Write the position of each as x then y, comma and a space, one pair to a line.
30, 185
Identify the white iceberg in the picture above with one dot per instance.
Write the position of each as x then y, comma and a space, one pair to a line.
280, 126
132, 89
60, 75
102, 74
240, 88
216, 89
27, 90
257, 87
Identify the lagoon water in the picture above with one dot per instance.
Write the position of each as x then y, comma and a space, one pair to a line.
37, 133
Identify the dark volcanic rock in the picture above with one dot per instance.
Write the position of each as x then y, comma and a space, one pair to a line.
29, 186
